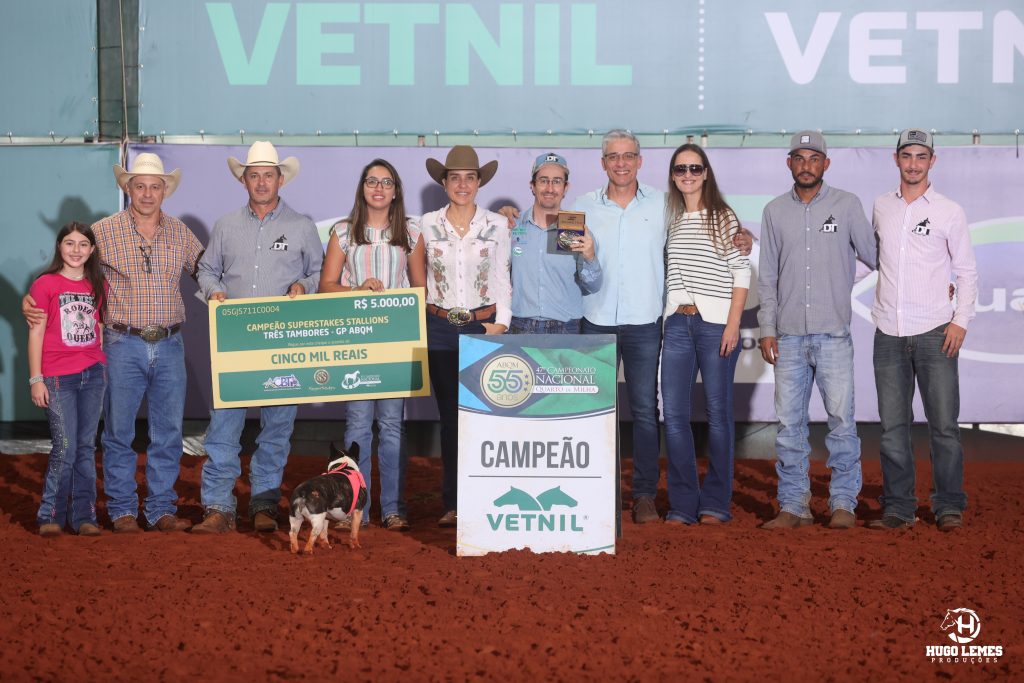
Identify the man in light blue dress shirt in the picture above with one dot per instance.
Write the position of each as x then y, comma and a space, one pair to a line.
627, 219
549, 284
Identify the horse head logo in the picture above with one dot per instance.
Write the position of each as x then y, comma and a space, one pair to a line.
351, 380
518, 497
545, 501
555, 496
964, 623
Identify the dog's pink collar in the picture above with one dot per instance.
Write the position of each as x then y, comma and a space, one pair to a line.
355, 478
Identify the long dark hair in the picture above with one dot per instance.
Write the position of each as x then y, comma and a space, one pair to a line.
396, 214
718, 217
93, 271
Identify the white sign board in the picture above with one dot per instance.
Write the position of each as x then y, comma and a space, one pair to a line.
537, 465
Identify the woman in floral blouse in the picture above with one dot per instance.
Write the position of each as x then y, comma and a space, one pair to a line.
469, 289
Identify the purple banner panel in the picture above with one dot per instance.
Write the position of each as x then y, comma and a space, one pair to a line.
979, 178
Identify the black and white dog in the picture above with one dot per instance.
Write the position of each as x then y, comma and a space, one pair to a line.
338, 493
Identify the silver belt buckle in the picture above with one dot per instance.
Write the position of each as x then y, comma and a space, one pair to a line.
152, 333
459, 316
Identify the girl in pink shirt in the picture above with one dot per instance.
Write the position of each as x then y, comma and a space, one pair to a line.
68, 378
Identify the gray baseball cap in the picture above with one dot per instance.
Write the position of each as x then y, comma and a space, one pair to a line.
808, 139
550, 158
915, 136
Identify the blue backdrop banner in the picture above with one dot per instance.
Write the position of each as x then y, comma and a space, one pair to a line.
418, 66
48, 81
991, 363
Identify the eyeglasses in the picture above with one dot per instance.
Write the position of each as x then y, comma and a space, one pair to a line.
386, 183
681, 169
544, 181
628, 157
147, 264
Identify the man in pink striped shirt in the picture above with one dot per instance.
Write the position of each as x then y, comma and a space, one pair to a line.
924, 244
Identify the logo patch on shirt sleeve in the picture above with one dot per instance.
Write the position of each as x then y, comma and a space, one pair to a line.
280, 244
830, 225
922, 228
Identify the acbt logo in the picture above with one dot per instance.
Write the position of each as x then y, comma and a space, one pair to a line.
965, 625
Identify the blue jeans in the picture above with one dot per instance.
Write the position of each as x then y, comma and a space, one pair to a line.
69, 488
266, 468
390, 413
543, 326
691, 344
828, 361
898, 360
639, 347
154, 370
443, 359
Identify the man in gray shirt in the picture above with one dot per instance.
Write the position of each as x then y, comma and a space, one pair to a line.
810, 238
263, 249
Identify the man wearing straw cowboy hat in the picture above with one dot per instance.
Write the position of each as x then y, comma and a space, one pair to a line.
144, 251
264, 248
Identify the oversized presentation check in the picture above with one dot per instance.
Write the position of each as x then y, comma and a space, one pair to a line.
317, 348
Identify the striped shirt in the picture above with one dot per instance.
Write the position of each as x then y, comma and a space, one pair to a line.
248, 257
695, 271
923, 246
141, 296
379, 258
472, 271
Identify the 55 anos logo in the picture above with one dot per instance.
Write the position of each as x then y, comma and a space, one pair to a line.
507, 381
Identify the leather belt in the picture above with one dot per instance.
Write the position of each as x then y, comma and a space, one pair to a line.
688, 309
462, 316
150, 333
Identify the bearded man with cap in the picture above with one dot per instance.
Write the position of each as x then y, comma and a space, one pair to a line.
469, 290
924, 242
549, 283
265, 248
143, 252
811, 237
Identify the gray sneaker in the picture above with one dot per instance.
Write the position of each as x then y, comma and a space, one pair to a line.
448, 519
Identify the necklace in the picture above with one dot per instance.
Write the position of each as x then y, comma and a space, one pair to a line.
72, 277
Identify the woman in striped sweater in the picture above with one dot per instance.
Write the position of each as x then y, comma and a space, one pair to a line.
706, 282
375, 249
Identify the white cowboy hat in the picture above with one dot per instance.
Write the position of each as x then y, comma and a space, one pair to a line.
148, 163
265, 154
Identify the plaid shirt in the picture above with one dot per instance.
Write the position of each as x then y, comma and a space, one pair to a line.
137, 297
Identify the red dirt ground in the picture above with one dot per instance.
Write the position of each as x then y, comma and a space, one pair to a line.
697, 603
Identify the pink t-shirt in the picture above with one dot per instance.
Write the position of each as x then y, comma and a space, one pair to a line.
71, 342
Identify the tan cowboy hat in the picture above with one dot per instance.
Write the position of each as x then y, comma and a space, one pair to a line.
462, 158
265, 154
148, 163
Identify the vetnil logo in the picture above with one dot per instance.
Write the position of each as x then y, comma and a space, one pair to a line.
534, 513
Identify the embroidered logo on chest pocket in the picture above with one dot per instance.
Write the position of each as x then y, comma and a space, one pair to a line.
830, 225
280, 244
922, 228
